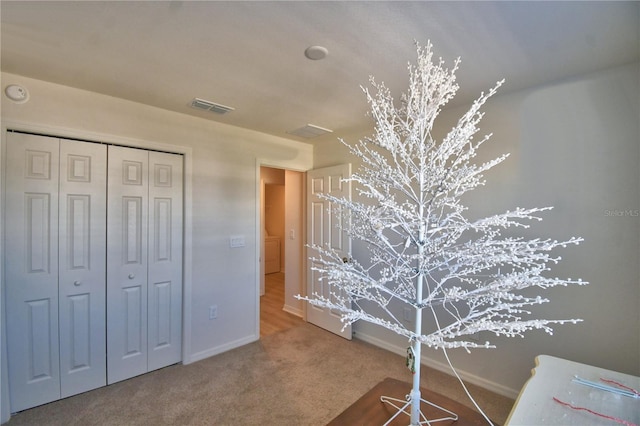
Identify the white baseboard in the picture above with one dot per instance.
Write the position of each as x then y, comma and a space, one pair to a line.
440, 366
220, 349
294, 311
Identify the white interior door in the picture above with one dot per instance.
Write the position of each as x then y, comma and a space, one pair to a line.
31, 265
165, 260
127, 218
322, 230
82, 266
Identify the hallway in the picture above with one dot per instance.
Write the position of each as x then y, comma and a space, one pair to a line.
272, 318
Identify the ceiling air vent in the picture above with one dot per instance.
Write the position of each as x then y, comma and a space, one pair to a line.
309, 131
204, 105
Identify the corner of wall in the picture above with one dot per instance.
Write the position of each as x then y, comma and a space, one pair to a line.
199, 356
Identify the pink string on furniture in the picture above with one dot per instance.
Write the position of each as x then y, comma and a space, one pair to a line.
620, 385
615, 419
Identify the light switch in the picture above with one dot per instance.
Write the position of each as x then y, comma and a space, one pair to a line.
236, 241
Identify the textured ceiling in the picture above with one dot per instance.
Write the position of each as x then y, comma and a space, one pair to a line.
250, 55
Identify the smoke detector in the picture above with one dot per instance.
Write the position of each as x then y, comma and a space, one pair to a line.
16, 93
205, 105
315, 53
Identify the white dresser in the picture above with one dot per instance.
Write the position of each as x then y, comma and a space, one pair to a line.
556, 377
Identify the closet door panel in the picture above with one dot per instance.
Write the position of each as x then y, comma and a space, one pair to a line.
127, 263
82, 266
165, 259
31, 265
93, 265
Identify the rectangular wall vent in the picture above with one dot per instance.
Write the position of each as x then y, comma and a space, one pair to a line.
205, 105
310, 131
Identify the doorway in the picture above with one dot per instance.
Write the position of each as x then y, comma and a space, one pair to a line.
281, 249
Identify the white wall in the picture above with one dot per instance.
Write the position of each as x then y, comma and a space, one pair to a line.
293, 241
222, 183
574, 145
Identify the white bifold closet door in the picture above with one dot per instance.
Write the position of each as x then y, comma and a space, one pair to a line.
93, 265
55, 268
144, 259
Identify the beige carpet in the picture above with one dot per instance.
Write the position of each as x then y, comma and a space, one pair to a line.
301, 376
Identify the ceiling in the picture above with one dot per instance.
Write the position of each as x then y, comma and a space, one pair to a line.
250, 55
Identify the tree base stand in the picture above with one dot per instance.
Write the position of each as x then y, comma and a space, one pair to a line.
406, 405
368, 410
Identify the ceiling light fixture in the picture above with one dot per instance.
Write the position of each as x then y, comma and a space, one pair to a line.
316, 53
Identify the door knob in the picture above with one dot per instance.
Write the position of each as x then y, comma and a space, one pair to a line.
77, 283
132, 276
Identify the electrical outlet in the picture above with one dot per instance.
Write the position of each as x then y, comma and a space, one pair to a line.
213, 312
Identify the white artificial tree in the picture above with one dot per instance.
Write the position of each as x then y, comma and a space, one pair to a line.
463, 275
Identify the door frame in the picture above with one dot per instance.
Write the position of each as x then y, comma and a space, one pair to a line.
67, 133
260, 162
